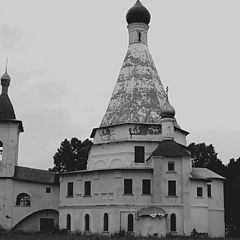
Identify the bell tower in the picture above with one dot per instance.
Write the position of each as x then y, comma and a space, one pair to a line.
9, 131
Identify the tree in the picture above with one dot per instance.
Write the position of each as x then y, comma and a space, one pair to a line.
232, 197
206, 157
72, 155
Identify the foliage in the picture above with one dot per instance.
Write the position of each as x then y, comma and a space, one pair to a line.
72, 155
79, 236
206, 156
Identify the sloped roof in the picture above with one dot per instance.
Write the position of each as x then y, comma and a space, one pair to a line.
138, 95
34, 175
206, 173
151, 211
170, 148
6, 108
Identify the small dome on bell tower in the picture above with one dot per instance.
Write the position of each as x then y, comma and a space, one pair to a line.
138, 13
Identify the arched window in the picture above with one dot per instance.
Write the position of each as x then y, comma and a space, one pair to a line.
23, 199
130, 223
173, 226
87, 222
68, 225
1, 150
105, 222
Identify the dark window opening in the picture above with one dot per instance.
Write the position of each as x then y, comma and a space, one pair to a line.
68, 225
1, 150
209, 190
87, 222
87, 188
139, 154
171, 188
173, 225
105, 222
127, 186
70, 189
48, 189
171, 166
139, 37
23, 200
130, 223
146, 186
199, 191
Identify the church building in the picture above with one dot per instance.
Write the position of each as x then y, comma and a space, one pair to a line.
139, 177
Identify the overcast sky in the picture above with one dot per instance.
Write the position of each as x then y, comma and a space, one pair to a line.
65, 57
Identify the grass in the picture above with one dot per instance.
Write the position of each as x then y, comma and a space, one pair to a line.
5, 235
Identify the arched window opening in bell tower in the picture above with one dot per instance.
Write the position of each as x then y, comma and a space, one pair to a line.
139, 37
1, 150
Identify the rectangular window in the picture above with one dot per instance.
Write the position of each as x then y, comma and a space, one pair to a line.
199, 191
146, 186
70, 189
87, 188
209, 190
48, 189
127, 186
171, 188
139, 154
171, 166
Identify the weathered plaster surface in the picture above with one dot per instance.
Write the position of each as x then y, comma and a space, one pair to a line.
139, 93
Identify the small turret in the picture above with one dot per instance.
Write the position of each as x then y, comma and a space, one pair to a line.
6, 108
167, 110
167, 119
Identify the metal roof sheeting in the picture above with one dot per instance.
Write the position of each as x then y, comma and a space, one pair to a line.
34, 175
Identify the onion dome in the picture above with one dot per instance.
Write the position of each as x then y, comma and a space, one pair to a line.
6, 108
138, 13
167, 110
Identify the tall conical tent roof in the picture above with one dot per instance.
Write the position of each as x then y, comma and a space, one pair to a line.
139, 93
138, 96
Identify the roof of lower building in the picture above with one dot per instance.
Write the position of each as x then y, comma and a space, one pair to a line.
206, 173
34, 175
170, 148
138, 168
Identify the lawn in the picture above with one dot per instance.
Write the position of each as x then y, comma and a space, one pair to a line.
77, 236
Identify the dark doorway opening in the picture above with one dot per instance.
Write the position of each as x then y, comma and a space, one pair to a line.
46, 224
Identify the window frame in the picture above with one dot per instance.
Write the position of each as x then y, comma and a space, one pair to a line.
70, 186
105, 222
68, 222
209, 190
23, 200
200, 192
1, 150
172, 192
146, 187
169, 164
173, 222
87, 222
139, 154
128, 189
130, 219
87, 188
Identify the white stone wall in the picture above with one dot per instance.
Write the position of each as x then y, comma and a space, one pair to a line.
9, 136
10, 214
39, 199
